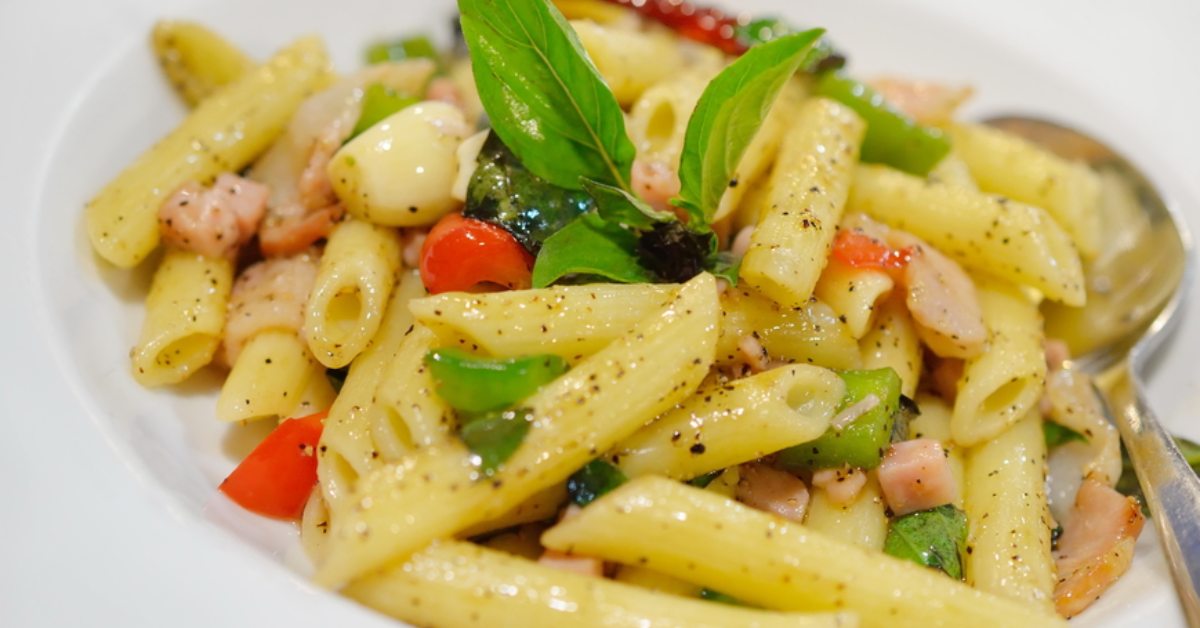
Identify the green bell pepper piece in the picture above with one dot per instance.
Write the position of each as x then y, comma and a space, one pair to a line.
592, 481
892, 138
863, 441
472, 384
410, 48
378, 103
494, 437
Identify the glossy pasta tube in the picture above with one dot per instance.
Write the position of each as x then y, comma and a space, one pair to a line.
658, 120
630, 61
811, 179
314, 527
892, 342
350, 443
354, 280
729, 424
756, 162
810, 334
701, 537
454, 583
437, 491
986, 233
407, 395
185, 313
568, 321
122, 220
541, 506
862, 522
196, 60
952, 170
1009, 521
1003, 383
270, 374
854, 294
1007, 164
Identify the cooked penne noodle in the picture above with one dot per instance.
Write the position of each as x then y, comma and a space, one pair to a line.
1009, 522
122, 220
271, 372
355, 278
761, 559
623, 57
811, 334
728, 424
314, 526
185, 314
407, 395
854, 294
1007, 164
658, 120
953, 171
862, 522
893, 342
986, 233
434, 586
437, 490
809, 185
567, 321
760, 155
541, 506
196, 60
1003, 383
350, 443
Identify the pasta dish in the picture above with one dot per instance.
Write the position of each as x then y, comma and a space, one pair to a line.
632, 313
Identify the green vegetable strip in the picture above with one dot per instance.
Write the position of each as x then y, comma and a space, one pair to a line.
494, 437
934, 538
1056, 434
892, 138
378, 103
473, 384
592, 481
862, 442
411, 48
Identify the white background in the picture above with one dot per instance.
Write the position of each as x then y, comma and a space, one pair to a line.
85, 539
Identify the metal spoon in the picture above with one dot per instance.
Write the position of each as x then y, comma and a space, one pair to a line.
1136, 291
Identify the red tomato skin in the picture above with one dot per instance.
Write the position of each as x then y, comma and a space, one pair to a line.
859, 250
461, 253
276, 479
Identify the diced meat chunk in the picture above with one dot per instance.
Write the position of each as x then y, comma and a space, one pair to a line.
771, 490
916, 475
1096, 546
213, 221
842, 486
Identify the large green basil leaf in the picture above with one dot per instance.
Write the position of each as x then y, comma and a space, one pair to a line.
543, 96
590, 247
506, 194
728, 115
934, 538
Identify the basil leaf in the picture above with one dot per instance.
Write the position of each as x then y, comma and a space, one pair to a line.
713, 595
934, 538
822, 58
543, 96
592, 481
494, 437
622, 207
506, 194
905, 413
729, 113
590, 246
702, 481
1056, 434
378, 103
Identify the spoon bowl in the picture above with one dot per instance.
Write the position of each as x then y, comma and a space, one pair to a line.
1136, 291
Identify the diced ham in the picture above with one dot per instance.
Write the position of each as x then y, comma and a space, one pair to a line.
583, 565
1096, 546
271, 294
774, 491
916, 475
655, 182
842, 486
213, 221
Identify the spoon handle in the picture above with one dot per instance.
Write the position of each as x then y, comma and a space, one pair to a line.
1171, 488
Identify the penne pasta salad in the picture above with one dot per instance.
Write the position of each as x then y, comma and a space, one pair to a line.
631, 313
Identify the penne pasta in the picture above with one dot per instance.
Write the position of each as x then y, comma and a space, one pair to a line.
811, 334
1009, 522
433, 585
728, 424
122, 220
893, 342
986, 233
854, 294
406, 394
621, 57
354, 280
791, 242
1002, 384
438, 491
1007, 164
863, 522
270, 374
761, 559
185, 315
197, 61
